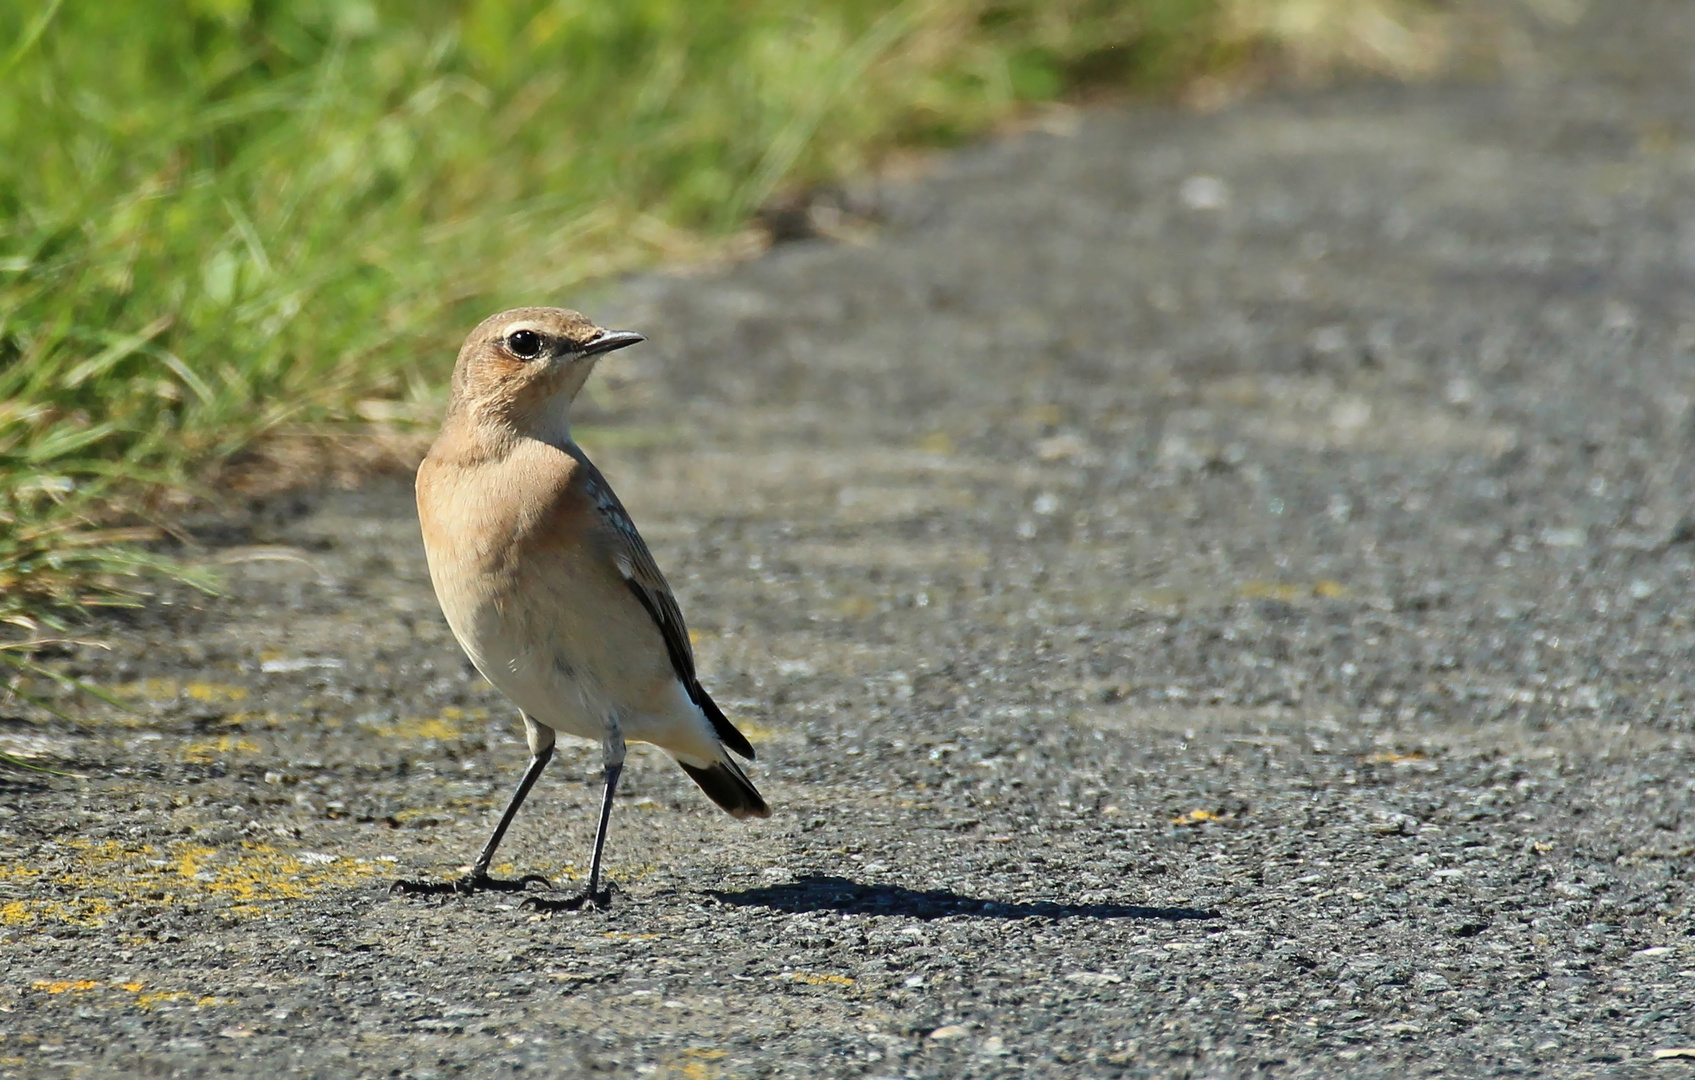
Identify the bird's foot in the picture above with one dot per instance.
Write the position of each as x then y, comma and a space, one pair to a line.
474, 882
591, 899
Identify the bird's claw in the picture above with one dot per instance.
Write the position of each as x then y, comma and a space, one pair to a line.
596, 900
474, 882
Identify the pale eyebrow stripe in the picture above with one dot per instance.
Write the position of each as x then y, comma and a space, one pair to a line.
523, 324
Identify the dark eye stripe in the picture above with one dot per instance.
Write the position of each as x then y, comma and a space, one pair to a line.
524, 344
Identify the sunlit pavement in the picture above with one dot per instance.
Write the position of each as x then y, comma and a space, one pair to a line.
1209, 593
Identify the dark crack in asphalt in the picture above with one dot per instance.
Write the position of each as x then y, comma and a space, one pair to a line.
1209, 593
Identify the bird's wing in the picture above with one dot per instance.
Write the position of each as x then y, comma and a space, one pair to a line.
641, 574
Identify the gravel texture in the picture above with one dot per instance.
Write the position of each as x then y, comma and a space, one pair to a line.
1209, 594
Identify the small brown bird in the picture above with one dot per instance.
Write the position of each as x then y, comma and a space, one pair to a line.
546, 583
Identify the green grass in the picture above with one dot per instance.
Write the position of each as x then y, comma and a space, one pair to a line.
225, 218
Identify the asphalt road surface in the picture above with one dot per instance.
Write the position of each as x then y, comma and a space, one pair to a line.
1210, 594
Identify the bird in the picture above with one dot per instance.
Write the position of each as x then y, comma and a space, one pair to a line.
549, 588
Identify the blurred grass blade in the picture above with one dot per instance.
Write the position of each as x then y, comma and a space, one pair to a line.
31, 35
189, 379
792, 140
20, 763
65, 440
109, 357
68, 683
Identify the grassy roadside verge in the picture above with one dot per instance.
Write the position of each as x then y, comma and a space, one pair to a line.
224, 218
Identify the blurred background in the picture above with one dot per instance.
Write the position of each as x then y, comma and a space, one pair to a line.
224, 220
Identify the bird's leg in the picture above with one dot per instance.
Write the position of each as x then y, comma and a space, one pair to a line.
594, 895
541, 752
478, 877
593, 890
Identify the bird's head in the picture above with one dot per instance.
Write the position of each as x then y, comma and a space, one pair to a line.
524, 367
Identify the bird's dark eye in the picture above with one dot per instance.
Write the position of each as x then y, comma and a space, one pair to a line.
525, 344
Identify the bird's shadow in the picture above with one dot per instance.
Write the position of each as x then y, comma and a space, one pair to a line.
826, 892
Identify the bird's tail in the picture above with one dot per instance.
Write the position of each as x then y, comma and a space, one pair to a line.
726, 784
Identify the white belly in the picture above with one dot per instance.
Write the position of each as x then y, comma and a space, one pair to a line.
532, 680
554, 651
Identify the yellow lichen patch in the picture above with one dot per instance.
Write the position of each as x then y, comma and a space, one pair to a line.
189, 860
148, 689
205, 691
572, 976
165, 997
259, 872
561, 871
449, 725
1199, 817
89, 913
1271, 590
702, 1066
753, 729
435, 728
937, 442
141, 996
171, 689
1395, 757
416, 813
814, 978
206, 751
78, 986
1277, 590
855, 607
106, 876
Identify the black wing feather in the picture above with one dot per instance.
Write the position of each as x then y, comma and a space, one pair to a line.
642, 576
682, 662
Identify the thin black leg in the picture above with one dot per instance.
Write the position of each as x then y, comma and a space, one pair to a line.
594, 895
478, 879
531, 775
612, 772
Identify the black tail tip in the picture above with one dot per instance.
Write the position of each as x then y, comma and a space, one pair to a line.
727, 732
730, 788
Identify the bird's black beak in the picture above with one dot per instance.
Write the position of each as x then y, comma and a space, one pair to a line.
611, 341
